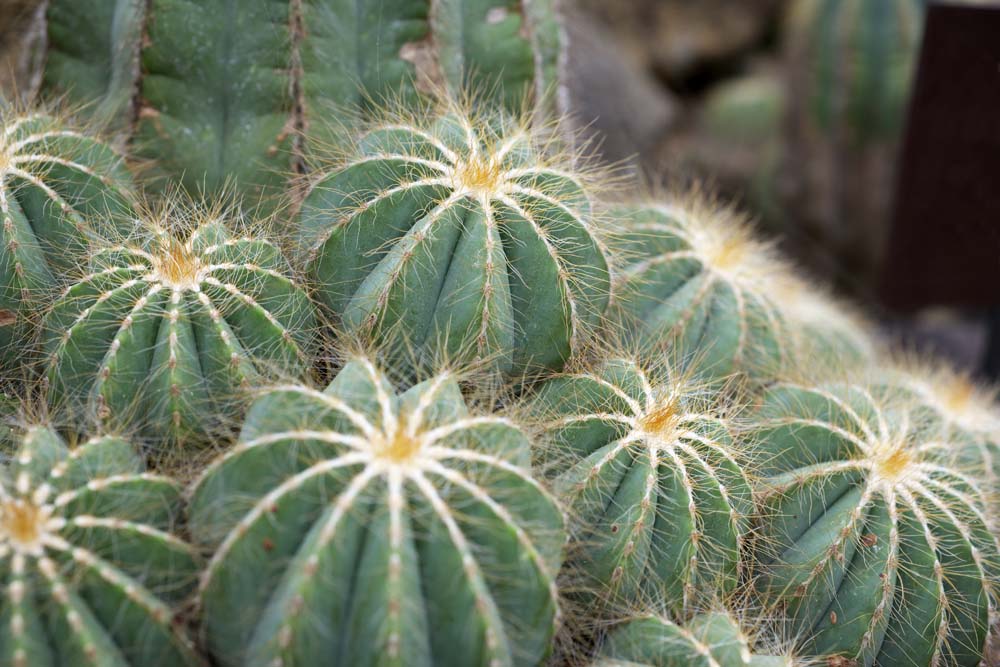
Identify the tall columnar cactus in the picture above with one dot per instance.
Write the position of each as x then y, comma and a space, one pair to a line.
695, 277
54, 181
219, 89
713, 639
365, 527
458, 236
660, 499
879, 551
92, 574
165, 332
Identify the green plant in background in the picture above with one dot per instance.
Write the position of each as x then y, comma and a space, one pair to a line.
166, 330
878, 552
411, 527
462, 235
653, 480
55, 182
92, 572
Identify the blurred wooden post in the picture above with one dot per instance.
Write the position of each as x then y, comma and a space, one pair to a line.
944, 244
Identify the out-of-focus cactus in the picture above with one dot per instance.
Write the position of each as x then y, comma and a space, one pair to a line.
867, 535
459, 237
164, 333
373, 528
659, 496
93, 574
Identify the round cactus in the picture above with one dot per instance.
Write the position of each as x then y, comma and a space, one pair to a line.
369, 528
879, 552
165, 332
695, 277
459, 236
660, 500
92, 572
52, 178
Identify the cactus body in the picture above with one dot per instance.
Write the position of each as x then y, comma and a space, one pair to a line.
660, 500
458, 237
870, 535
54, 181
697, 280
165, 335
830, 333
363, 527
91, 571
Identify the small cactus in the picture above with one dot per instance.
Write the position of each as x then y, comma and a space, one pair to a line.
660, 499
92, 571
363, 527
459, 238
868, 536
166, 331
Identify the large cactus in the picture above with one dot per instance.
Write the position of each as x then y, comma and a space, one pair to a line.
165, 332
460, 236
363, 527
92, 574
879, 551
54, 181
660, 499
219, 89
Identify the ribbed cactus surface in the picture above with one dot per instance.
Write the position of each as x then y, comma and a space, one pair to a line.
458, 237
164, 333
358, 526
92, 574
870, 535
660, 501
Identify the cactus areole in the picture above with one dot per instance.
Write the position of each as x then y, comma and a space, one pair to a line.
355, 526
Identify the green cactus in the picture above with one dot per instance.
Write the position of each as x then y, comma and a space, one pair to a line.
660, 499
694, 277
165, 333
830, 332
879, 552
713, 639
92, 573
219, 90
458, 237
54, 180
363, 527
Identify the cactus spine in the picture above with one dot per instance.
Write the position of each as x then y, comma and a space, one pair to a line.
409, 526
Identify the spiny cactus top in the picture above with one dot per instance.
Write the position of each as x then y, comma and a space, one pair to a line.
870, 536
696, 278
660, 499
355, 526
53, 181
708, 640
459, 235
165, 332
91, 572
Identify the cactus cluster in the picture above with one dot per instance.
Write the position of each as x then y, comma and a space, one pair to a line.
557, 427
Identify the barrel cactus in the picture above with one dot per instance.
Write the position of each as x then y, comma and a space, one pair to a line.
459, 238
878, 551
164, 332
829, 332
365, 527
54, 180
695, 277
658, 493
93, 574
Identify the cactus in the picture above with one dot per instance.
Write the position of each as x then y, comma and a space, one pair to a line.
459, 236
711, 639
365, 527
54, 179
92, 573
220, 90
166, 331
879, 552
695, 277
660, 499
